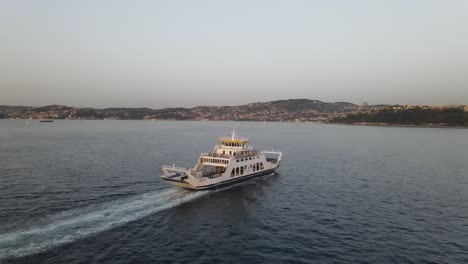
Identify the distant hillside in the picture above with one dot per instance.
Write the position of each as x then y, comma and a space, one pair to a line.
296, 110
295, 105
448, 116
8, 108
281, 110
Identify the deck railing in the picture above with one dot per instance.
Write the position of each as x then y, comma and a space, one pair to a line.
235, 138
216, 155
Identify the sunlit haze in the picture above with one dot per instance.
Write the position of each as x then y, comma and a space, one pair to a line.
186, 53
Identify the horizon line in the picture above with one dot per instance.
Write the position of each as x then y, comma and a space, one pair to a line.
171, 107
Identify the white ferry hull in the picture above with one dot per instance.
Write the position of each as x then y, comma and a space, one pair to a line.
214, 186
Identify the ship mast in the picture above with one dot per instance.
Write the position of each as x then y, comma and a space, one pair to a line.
233, 133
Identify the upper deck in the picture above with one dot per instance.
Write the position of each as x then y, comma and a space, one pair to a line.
234, 141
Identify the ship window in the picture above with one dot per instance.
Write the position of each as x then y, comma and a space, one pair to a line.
232, 172
241, 170
258, 166
237, 171
261, 165
224, 152
237, 160
242, 159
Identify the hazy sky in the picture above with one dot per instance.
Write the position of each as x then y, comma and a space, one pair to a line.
197, 52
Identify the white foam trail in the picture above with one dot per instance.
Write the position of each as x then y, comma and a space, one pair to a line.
72, 225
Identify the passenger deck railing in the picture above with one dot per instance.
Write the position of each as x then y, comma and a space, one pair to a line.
215, 155
245, 154
217, 161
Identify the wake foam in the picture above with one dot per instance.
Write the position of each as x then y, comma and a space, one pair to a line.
72, 225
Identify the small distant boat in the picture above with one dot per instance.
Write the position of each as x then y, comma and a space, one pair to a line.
46, 120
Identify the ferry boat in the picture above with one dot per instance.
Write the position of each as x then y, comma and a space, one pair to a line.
231, 162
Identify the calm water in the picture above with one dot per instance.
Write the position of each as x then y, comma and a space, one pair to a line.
90, 192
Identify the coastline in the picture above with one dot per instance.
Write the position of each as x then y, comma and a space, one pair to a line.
399, 125
205, 120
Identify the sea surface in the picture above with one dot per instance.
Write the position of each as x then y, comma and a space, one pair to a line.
90, 192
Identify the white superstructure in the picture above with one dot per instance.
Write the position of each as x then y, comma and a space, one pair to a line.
231, 162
